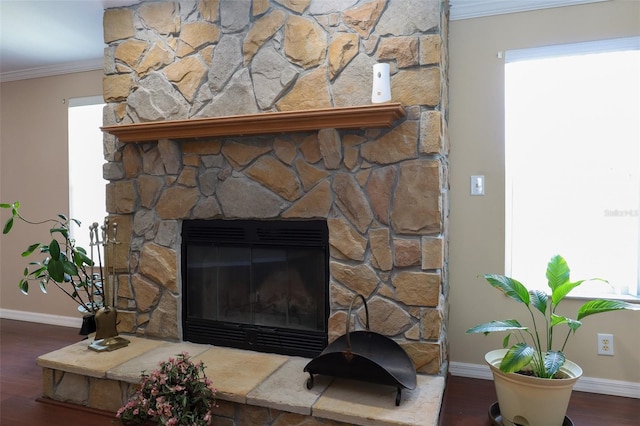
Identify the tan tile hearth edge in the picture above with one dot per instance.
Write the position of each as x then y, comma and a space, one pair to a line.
235, 372
266, 380
130, 370
374, 405
79, 359
286, 389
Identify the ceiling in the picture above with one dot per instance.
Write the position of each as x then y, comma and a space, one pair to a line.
49, 37
46, 37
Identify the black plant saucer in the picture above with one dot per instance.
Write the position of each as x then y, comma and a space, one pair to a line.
496, 417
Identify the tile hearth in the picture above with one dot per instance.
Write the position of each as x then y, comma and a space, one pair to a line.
253, 387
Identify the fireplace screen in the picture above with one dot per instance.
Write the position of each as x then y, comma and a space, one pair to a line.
259, 285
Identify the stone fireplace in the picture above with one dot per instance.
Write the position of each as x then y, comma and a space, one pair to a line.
382, 192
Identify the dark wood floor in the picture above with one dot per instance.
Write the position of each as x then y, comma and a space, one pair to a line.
466, 400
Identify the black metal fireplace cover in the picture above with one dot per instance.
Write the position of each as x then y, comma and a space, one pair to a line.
366, 356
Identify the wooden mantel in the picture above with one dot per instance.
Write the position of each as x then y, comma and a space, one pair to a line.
358, 117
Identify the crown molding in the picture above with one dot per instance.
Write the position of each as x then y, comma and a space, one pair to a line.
51, 70
467, 9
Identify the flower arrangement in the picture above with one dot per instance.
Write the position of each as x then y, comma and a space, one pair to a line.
177, 393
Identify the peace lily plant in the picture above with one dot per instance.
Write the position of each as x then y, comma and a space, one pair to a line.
536, 350
66, 265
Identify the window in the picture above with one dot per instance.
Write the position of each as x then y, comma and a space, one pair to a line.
86, 185
572, 151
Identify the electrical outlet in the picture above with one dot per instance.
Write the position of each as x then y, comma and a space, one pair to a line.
605, 344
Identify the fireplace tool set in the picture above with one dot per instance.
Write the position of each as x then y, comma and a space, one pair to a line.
366, 356
106, 338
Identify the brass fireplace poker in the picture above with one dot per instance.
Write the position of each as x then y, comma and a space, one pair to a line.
106, 338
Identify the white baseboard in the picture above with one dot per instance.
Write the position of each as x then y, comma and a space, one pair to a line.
608, 387
474, 371
584, 384
41, 318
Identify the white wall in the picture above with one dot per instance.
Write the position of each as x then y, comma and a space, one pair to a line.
34, 167
477, 147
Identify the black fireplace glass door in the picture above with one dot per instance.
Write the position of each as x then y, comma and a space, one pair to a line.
270, 287
207, 268
287, 288
259, 285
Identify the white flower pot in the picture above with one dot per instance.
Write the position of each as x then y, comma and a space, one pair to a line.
532, 401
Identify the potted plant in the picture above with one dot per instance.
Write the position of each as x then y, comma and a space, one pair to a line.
177, 393
533, 379
65, 265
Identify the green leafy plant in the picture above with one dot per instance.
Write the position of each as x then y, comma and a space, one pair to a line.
177, 393
65, 265
534, 350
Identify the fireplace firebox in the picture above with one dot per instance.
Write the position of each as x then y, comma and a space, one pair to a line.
259, 285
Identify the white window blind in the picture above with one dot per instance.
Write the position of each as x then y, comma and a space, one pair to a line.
86, 159
572, 151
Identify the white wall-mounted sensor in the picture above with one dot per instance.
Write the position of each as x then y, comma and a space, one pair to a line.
381, 89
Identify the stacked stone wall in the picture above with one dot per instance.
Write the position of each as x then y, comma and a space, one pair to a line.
382, 191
